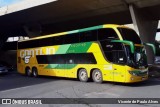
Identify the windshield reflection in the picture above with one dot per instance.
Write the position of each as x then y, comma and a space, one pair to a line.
138, 59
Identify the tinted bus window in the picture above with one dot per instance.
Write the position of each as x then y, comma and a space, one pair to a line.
114, 52
107, 33
44, 42
110, 46
58, 40
88, 36
28, 44
129, 34
72, 58
72, 38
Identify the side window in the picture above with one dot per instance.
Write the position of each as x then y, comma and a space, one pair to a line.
107, 33
31, 44
58, 40
44, 42
88, 36
81, 58
114, 52
119, 57
21, 45
72, 38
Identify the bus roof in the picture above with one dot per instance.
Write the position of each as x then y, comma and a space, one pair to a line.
76, 31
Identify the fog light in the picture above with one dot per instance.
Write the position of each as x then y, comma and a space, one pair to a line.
133, 73
132, 78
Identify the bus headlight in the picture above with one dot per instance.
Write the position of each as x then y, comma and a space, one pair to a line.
133, 73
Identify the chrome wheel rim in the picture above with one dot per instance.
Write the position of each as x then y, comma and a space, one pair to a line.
83, 75
28, 72
98, 76
34, 73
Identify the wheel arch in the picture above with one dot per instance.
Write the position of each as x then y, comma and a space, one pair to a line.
34, 67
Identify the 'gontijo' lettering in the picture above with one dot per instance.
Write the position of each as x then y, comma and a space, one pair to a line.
38, 51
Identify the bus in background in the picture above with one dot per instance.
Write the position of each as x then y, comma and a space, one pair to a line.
102, 53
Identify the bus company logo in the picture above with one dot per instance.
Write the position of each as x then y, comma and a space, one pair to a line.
26, 59
38, 51
109, 46
6, 101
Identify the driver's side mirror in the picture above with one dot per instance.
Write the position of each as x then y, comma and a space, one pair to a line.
131, 44
138, 56
151, 45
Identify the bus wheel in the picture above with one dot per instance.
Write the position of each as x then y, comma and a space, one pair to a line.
82, 75
35, 72
28, 71
97, 76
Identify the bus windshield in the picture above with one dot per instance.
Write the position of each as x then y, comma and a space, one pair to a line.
130, 35
119, 53
138, 59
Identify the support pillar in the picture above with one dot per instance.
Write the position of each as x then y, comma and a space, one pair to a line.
146, 28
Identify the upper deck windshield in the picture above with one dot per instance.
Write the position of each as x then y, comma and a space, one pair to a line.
130, 35
120, 53
138, 59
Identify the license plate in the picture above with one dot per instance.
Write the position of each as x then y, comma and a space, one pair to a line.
143, 78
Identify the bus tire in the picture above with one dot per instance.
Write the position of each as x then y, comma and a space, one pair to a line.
28, 71
82, 75
97, 76
35, 72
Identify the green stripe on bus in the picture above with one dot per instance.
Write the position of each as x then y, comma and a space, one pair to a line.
79, 47
85, 29
61, 66
74, 31
49, 66
63, 49
65, 66
91, 28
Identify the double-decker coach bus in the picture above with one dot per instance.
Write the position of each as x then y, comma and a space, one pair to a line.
101, 53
